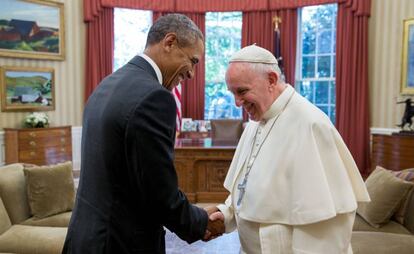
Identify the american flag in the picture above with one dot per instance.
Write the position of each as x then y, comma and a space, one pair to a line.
277, 48
177, 96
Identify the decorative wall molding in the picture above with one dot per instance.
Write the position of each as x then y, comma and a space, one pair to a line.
375, 130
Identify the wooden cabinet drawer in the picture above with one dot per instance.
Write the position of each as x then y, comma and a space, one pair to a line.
45, 153
35, 143
43, 133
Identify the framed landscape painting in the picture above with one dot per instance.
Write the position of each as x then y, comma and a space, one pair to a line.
32, 29
407, 68
27, 89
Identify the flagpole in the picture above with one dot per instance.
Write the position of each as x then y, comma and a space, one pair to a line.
277, 42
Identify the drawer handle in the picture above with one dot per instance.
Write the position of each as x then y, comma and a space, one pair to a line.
63, 149
63, 132
32, 134
32, 154
32, 143
63, 140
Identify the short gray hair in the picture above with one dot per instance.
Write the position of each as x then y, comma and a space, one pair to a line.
187, 32
266, 68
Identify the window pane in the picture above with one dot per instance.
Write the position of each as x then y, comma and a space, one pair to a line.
333, 92
325, 15
308, 67
306, 90
130, 34
309, 41
223, 39
324, 109
221, 102
308, 29
325, 42
321, 92
315, 69
324, 66
333, 115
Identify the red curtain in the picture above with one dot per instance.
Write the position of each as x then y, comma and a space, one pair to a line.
294, 4
91, 9
153, 5
288, 34
352, 111
220, 5
202, 6
99, 48
257, 27
193, 91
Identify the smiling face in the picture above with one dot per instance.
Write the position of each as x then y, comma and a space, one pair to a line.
179, 62
252, 90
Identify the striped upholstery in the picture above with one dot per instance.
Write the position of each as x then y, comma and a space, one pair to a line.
407, 175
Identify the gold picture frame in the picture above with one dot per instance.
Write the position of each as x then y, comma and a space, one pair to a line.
407, 68
27, 89
32, 29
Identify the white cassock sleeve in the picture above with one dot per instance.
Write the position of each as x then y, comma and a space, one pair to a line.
329, 236
228, 212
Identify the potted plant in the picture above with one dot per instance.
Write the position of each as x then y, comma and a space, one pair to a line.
36, 120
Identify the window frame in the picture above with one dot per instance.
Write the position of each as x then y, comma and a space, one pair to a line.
331, 80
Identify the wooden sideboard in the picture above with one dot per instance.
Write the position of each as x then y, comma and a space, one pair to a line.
202, 166
40, 146
393, 152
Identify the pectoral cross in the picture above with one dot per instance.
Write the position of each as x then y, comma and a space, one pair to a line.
242, 189
242, 186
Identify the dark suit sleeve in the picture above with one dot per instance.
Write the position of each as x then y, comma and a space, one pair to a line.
150, 145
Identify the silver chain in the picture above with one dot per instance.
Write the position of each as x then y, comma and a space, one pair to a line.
242, 186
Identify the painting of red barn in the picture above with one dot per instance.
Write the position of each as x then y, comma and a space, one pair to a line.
27, 89
32, 29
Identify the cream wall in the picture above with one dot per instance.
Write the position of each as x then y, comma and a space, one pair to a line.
385, 46
69, 74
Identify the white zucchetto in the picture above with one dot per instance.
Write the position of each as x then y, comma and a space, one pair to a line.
253, 54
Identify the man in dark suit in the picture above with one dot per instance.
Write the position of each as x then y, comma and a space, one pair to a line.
128, 185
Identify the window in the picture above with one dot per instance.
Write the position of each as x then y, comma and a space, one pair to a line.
130, 34
223, 39
315, 68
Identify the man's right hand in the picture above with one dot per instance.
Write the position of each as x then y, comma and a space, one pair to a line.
215, 226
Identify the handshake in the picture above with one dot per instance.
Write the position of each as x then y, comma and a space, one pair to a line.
215, 226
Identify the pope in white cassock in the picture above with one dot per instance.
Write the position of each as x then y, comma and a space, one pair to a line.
293, 184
